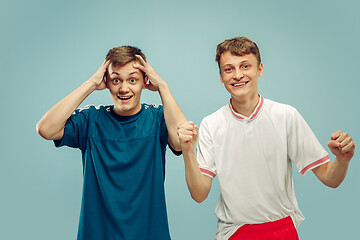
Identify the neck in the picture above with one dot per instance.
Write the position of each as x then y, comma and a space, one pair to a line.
245, 106
127, 112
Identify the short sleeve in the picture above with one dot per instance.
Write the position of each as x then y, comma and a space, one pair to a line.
75, 132
163, 129
205, 151
164, 132
304, 149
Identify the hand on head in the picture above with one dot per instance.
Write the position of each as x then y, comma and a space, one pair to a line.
152, 80
99, 78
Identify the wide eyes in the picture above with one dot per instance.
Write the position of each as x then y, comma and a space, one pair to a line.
117, 81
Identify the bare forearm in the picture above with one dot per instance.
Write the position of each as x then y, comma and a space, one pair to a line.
52, 124
173, 114
198, 184
333, 173
336, 172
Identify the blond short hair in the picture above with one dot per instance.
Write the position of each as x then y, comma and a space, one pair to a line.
239, 46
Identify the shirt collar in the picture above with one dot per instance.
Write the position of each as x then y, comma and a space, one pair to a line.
253, 115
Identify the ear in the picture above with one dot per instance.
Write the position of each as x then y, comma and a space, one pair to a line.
105, 78
146, 79
221, 79
261, 69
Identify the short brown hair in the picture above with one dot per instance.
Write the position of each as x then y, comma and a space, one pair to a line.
239, 46
120, 56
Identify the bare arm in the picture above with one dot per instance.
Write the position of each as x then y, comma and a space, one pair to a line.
333, 173
198, 184
51, 125
172, 112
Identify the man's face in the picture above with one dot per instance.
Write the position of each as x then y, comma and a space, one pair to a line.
239, 75
125, 84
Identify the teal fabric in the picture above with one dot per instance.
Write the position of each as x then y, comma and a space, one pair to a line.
124, 171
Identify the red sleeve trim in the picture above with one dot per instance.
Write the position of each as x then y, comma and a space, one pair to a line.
207, 172
314, 164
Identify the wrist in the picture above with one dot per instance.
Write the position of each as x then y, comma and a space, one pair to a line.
163, 86
90, 84
188, 148
340, 160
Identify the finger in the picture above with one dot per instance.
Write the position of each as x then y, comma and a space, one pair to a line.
333, 144
196, 130
188, 126
105, 64
185, 138
140, 67
183, 134
342, 137
346, 141
335, 135
142, 61
349, 148
187, 131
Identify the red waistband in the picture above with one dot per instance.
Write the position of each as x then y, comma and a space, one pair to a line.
269, 225
282, 229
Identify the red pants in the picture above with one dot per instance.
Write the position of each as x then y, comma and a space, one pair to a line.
282, 229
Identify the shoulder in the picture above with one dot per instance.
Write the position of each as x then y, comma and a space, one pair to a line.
152, 107
276, 108
92, 108
217, 117
92, 111
152, 113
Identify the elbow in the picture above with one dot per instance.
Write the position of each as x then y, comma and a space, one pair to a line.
41, 130
178, 148
333, 185
199, 198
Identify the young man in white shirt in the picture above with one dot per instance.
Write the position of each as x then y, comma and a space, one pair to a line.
250, 145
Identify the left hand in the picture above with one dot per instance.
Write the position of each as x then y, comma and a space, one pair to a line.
152, 80
342, 145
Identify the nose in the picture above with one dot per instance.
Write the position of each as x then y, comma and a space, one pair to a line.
124, 87
238, 74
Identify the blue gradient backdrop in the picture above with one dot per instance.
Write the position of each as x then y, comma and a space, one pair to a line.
310, 51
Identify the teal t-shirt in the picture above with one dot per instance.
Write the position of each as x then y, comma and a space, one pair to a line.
124, 171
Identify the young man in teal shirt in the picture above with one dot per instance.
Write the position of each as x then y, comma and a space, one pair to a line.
123, 148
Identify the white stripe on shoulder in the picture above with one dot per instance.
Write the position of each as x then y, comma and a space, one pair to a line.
88, 106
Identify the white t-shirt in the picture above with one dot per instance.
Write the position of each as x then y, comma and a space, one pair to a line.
252, 158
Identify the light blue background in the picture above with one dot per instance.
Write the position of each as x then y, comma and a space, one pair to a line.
310, 51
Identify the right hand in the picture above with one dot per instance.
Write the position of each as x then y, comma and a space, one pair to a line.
99, 78
188, 135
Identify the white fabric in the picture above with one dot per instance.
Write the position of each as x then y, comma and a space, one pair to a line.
252, 158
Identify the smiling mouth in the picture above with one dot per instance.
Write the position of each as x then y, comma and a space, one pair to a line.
124, 98
240, 84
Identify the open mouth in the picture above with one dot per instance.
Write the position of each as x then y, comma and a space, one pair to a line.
125, 98
240, 84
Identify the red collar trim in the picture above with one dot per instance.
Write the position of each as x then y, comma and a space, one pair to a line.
253, 115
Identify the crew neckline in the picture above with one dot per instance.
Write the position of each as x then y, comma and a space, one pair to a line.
253, 115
